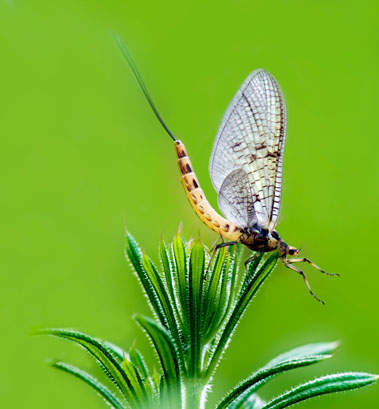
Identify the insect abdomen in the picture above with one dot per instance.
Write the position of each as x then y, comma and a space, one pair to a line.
198, 201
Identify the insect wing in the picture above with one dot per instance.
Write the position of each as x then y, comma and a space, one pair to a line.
251, 138
234, 199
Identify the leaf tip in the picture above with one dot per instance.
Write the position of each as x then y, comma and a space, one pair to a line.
335, 345
40, 331
135, 316
124, 224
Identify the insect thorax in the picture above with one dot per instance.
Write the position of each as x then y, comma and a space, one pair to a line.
260, 239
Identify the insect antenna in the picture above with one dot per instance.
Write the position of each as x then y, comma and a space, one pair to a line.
139, 79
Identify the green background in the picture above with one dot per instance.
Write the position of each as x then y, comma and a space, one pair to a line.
81, 152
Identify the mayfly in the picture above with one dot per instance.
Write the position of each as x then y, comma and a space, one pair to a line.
245, 169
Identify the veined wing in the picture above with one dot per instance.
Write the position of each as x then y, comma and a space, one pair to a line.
235, 199
251, 137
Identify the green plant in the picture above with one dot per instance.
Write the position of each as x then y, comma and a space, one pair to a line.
194, 320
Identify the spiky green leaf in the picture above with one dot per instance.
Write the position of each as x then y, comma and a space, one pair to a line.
181, 269
101, 389
162, 297
135, 379
246, 294
107, 360
321, 386
314, 349
195, 284
134, 255
253, 402
170, 275
259, 378
137, 360
295, 358
164, 347
212, 291
118, 352
226, 295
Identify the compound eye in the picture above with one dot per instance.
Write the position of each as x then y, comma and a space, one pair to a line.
291, 252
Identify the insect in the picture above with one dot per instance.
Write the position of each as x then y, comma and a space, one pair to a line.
245, 168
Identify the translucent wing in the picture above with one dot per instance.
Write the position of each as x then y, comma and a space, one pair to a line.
234, 199
251, 137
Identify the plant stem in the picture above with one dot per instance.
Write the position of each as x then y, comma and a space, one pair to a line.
195, 392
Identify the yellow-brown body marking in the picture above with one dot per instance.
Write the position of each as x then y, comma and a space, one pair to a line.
198, 201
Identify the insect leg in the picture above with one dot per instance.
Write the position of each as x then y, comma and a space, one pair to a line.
212, 254
248, 261
223, 244
213, 248
306, 260
290, 266
226, 244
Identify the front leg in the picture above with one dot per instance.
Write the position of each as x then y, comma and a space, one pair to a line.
288, 264
306, 260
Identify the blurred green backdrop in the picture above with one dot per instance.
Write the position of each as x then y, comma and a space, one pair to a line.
81, 150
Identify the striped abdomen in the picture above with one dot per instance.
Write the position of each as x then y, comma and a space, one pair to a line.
200, 204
